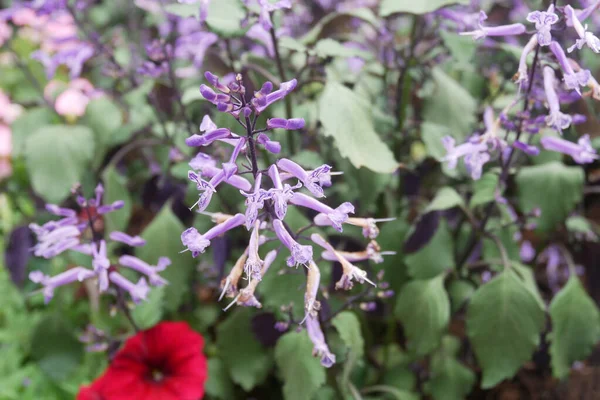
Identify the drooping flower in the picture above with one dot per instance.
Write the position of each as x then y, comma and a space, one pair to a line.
372, 252
300, 254
555, 118
573, 80
336, 217
522, 76
262, 101
543, 24
267, 7
197, 243
255, 201
133, 241
503, 30
320, 349
582, 151
312, 180
164, 362
585, 37
281, 193
144, 268
368, 225
49, 283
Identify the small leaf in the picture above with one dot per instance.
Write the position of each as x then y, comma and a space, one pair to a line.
484, 189
562, 189
345, 116
301, 373
445, 199
183, 10
246, 359
219, 383
57, 156
389, 7
424, 310
348, 326
436, 257
149, 312
115, 189
332, 48
575, 327
504, 322
163, 240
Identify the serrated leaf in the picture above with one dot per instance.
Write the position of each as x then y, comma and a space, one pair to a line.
301, 373
562, 189
424, 310
348, 327
484, 189
246, 359
116, 189
389, 7
575, 327
219, 383
345, 116
445, 199
435, 257
57, 156
504, 322
163, 240
149, 312
448, 100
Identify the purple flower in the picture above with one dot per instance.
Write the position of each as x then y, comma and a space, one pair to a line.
372, 252
300, 254
266, 8
526, 148
138, 291
320, 348
150, 271
270, 145
208, 137
522, 77
336, 217
555, 119
543, 24
253, 265
207, 166
101, 264
573, 80
503, 30
282, 123
582, 151
194, 46
281, 193
527, 252
133, 241
50, 283
312, 180
255, 201
262, 101
55, 237
368, 225
73, 58
207, 188
197, 243
585, 37
475, 154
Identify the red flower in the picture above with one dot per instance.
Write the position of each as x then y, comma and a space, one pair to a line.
161, 363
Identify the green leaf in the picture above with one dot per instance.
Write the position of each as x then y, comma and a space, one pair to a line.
341, 19
448, 100
580, 225
149, 312
225, 18
301, 373
104, 117
163, 240
183, 10
57, 156
290, 43
435, 257
424, 310
116, 189
348, 326
346, 117
246, 359
450, 380
55, 349
562, 189
484, 189
27, 124
504, 322
445, 199
389, 7
460, 291
332, 48
219, 383
575, 327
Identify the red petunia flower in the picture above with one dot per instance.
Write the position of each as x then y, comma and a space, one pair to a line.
162, 363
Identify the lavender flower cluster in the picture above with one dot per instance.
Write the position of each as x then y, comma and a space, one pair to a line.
266, 208
69, 233
549, 90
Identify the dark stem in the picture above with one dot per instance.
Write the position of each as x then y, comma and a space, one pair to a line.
403, 77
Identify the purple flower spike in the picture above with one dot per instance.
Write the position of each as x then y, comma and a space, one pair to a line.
281, 193
503, 30
543, 24
142, 267
582, 151
255, 201
299, 254
585, 37
313, 180
555, 119
282, 123
573, 80
208, 137
137, 291
50, 283
133, 241
214, 81
261, 103
270, 145
320, 349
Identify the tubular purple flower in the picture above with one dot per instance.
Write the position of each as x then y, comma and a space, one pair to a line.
282, 123
502, 30
64, 278
207, 166
214, 81
133, 241
313, 180
55, 238
368, 225
106, 208
475, 154
101, 264
207, 124
555, 118
208, 137
281, 193
213, 97
207, 188
584, 14
526, 252
253, 266
60, 211
585, 37
336, 216
582, 151
320, 348
255, 201
270, 145
543, 24
138, 291
526, 148
266, 8
300, 254
261, 103
313, 279
522, 77
150, 271
573, 80
372, 252
197, 243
